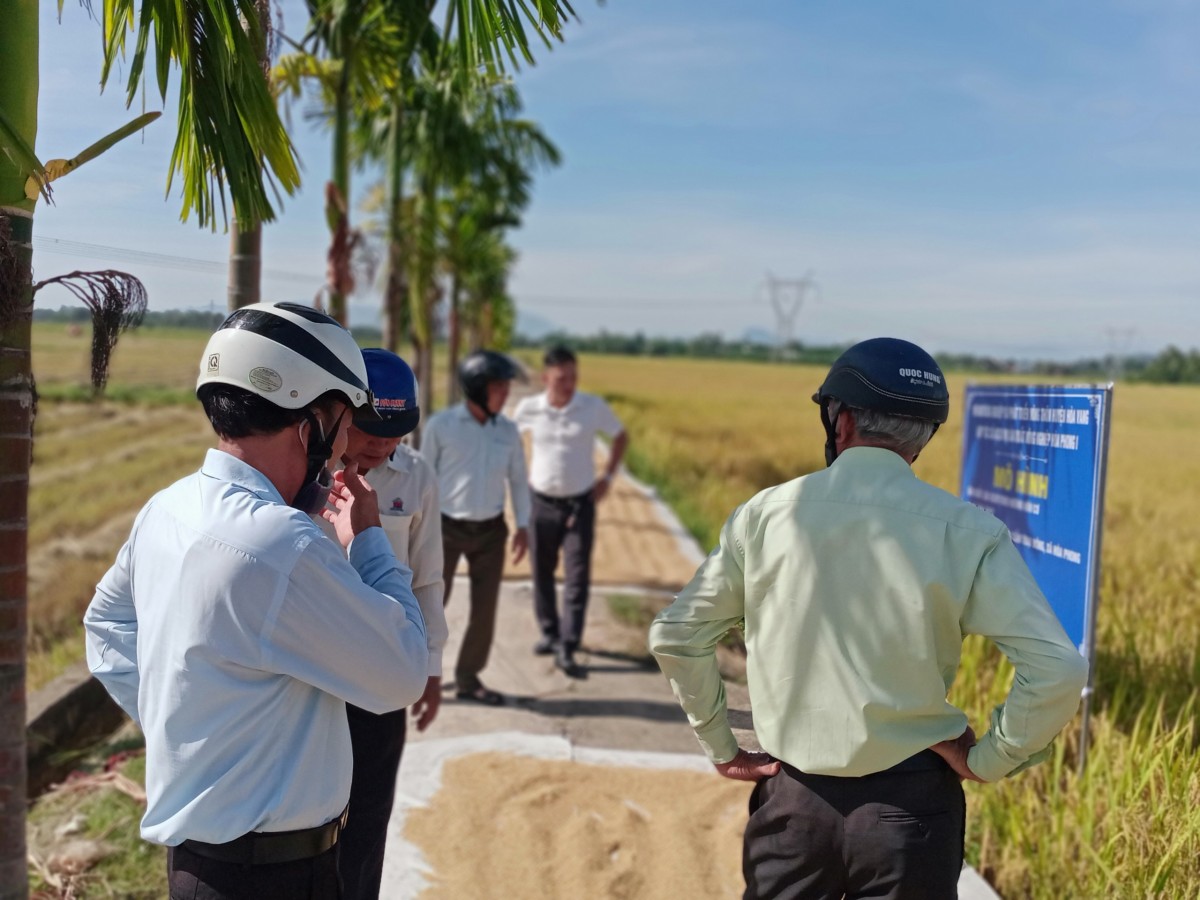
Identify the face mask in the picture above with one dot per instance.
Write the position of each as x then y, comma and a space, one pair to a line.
312, 497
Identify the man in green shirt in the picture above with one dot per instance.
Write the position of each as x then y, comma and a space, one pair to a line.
857, 585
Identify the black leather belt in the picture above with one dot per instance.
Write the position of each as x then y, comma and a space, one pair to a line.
474, 524
262, 848
563, 502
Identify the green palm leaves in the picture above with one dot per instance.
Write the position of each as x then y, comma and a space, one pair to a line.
230, 134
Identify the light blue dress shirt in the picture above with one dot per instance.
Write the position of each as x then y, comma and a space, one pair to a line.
234, 633
473, 462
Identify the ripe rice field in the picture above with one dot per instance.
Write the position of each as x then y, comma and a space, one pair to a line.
708, 435
711, 434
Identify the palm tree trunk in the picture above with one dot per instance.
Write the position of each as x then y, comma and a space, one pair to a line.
394, 297
18, 104
421, 289
453, 340
337, 215
245, 243
245, 265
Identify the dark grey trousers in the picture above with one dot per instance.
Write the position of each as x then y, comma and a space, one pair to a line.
896, 834
483, 544
567, 526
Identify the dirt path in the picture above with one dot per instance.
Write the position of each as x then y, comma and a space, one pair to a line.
577, 789
572, 788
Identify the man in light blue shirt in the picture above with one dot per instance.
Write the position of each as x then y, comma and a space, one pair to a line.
477, 454
234, 632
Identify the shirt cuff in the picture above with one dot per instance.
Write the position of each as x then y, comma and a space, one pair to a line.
988, 760
435, 662
718, 741
371, 555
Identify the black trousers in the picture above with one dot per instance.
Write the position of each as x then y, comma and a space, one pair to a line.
483, 544
378, 741
568, 526
896, 834
193, 877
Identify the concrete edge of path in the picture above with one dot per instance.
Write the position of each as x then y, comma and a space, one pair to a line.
406, 872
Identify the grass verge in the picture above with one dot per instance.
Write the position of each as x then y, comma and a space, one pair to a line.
83, 835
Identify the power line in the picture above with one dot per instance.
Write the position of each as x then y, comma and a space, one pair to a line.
624, 302
198, 265
109, 253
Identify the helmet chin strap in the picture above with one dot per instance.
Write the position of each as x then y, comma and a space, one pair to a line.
830, 430
480, 399
314, 493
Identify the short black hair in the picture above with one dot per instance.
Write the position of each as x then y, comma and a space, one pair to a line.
237, 413
558, 355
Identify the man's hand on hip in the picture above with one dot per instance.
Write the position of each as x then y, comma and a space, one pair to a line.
954, 752
749, 766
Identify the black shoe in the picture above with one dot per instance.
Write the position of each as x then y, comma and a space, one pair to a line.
546, 646
564, 659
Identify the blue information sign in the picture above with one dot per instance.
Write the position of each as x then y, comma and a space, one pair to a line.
1034, 456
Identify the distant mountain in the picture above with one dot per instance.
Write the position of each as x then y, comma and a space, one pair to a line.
535, 327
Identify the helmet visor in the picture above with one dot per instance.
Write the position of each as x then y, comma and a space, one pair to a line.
367, 413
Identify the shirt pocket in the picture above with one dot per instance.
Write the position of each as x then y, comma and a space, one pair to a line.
397, 525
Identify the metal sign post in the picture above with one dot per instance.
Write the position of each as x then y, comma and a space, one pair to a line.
1036, 457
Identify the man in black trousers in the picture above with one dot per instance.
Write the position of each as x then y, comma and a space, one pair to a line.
563, 424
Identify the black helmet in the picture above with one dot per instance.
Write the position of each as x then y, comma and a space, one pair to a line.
885, 375
481, 368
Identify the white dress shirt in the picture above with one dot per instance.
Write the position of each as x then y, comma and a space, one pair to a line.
411, 517
564, 439
473, 462
234, 633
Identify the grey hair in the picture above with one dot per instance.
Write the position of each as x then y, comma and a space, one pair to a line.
904, 435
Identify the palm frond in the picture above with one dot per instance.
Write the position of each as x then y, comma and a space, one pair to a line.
230, 133
117, 302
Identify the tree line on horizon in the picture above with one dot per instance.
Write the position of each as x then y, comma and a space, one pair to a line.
1170, 366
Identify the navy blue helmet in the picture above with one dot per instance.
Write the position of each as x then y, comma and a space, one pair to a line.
394, 390
889, 376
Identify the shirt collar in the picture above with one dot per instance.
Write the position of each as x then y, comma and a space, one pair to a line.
547, 405
224, 467
465, 415
401, 460
872, 458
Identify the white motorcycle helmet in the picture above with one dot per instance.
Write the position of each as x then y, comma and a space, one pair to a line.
288, 354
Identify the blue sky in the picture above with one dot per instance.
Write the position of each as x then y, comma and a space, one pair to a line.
1018, 179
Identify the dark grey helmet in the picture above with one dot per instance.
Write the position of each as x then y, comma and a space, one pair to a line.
481, 368
885, 375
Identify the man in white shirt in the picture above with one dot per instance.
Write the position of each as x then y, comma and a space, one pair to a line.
476, 452
411, 518
234, 633
564, 423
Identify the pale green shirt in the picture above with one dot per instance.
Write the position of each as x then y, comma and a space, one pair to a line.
857, 584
